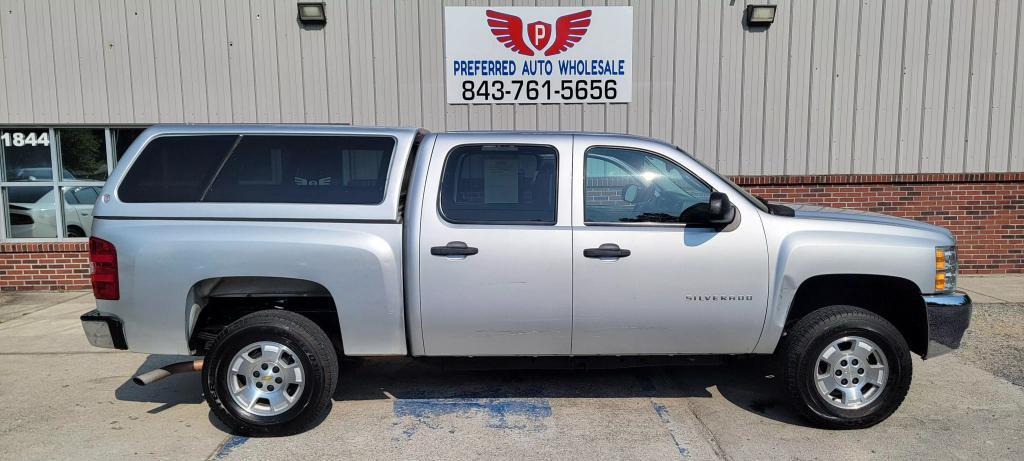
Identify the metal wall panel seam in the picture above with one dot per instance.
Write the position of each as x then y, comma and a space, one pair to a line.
181, 80
924, 84
1018, 109
810, 87
696, 81
53, 62
202, 41
981, 92
945, 107
935, 90
743, 94
915, 70
103, 59
718, 97
962, 39
1001, 106
878, 88
856, 86
4, 115
992, 88
832, 95
789, 77
28, 58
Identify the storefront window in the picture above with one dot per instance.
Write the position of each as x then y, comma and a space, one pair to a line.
83, 154
124, 137
39, 164
31, 211
26, 155
78, 203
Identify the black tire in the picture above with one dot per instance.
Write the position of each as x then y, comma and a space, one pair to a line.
312, 347
810, 336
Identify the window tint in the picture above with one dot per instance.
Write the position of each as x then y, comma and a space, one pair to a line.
174, 169
34, 188
500, 184
87, 195
625, 185
83, 154
123, 138
26, 155
31, 212
305, 169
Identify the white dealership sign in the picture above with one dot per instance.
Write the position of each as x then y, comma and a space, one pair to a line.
521, 55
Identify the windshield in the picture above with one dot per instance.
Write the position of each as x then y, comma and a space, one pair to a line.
750, 197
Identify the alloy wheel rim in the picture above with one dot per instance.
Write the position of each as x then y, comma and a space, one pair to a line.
851, 372
266, 378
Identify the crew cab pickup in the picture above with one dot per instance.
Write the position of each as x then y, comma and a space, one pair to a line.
271, 252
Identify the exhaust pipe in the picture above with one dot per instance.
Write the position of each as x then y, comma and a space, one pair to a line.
153, 376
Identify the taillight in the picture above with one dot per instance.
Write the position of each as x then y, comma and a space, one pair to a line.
103, 269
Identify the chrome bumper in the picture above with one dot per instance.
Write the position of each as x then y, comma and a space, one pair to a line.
103, 330
949, 315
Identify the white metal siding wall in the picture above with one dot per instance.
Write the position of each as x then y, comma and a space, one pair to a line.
834, 86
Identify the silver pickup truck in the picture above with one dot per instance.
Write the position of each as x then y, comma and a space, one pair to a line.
271, 252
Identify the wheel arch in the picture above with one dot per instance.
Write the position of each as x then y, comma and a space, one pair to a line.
215, 302
896, 299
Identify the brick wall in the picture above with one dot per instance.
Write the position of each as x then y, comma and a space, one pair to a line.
44, 266
607, 190
985, 211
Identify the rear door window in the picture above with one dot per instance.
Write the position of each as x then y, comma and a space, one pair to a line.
305, 169
500, 184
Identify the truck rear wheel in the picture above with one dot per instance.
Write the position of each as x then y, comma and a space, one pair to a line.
845, 367
270, 373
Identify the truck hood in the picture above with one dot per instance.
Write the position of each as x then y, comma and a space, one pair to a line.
842, 214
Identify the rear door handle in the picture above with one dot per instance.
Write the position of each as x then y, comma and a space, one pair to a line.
454, 249
606, 250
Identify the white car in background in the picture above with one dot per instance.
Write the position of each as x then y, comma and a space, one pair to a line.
32, 215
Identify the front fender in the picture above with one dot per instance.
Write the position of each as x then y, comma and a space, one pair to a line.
805, 254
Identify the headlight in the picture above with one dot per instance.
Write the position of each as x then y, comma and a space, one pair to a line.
945, 269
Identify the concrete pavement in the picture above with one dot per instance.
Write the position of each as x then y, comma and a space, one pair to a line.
1004, 288
64, 399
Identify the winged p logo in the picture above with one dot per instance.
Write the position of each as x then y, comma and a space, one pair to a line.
568, 30
325, 181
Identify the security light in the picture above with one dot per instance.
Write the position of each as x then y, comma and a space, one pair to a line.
312, 13
760, 15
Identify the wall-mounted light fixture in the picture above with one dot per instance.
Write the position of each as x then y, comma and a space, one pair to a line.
312, 14
759, 15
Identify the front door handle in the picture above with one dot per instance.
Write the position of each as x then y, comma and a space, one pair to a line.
454, 249
606, 250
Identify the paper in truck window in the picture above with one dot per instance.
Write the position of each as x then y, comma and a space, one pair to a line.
501, 179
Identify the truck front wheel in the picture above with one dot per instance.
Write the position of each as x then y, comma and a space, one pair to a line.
845, 367
270, 373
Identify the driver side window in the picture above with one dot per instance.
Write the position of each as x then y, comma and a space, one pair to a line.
632, 186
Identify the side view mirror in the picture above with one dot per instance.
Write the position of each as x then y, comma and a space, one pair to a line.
630, 192
717, 211
720, 209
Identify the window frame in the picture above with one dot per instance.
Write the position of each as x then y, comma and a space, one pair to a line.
56, 182
583, 198
444, 169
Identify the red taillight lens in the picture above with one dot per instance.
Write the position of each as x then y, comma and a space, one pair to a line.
103, 262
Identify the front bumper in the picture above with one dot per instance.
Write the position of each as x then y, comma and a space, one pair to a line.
949, 315
104, 330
